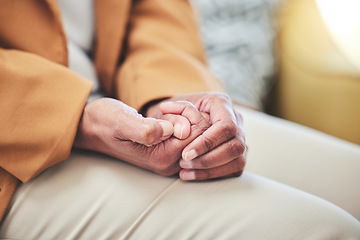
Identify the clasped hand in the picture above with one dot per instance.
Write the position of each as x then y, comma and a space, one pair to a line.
199, 136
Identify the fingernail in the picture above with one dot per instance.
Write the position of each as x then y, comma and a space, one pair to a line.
167, 128
190, 155
178, 130
186, 164
186, 175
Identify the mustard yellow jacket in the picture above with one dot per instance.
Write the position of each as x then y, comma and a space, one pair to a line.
144, 50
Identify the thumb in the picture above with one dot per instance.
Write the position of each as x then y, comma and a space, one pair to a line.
150, 131
108, 118
128, 125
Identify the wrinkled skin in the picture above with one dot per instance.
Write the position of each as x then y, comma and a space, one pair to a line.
207, 139
220, 151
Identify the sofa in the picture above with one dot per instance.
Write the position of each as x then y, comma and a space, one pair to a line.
290, 58
297, 88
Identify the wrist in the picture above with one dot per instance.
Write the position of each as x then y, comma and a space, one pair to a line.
87, 135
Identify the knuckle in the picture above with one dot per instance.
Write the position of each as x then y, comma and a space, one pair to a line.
203, 126
229, 129
238, 173
208, 144
206, 174
205, 164
225, 97
219, 95
239, 116
246, 150
236, 147
241, 164
147, 136
215, 97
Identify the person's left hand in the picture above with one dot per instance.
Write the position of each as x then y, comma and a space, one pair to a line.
220, 151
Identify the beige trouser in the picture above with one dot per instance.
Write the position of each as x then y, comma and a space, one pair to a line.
91, 196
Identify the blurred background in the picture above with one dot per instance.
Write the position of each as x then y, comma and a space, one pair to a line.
295, 59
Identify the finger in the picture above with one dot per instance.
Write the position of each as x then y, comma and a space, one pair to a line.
182, 108
198, 121
125, 123
147, 131
213, 137
224, 127
219, 156
231, 169
153, 131
181, 125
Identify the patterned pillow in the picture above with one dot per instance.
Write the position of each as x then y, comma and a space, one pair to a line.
239, 38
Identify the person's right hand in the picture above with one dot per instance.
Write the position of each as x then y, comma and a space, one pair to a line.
111, 127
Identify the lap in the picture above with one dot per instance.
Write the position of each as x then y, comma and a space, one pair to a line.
91, 196
304, 158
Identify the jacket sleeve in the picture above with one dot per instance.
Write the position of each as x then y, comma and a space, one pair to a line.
41, 103
165, 56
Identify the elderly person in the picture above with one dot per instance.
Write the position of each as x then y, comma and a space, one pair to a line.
58, 61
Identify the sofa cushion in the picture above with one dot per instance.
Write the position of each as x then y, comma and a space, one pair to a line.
239, 38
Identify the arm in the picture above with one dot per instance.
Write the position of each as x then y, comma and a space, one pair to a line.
41, 106
164, 56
